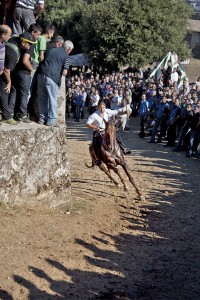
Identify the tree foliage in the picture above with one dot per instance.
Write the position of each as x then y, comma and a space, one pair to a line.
119, 32
60, 12
133, 31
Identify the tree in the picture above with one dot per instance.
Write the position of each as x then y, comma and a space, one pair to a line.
60, 12
135, 32
120, 32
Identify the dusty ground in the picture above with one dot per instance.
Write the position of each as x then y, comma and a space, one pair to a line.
107, 244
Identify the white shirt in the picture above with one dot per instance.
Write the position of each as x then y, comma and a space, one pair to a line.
174, 77
29, 3
126, 108
95, 99
84, 96
97, 118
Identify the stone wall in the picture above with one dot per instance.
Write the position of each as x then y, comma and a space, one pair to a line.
34, 168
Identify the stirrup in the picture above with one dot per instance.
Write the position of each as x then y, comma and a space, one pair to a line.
127, 151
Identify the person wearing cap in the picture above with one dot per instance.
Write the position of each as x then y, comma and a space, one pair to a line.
20, 77
8, 92
50, 71
24, 16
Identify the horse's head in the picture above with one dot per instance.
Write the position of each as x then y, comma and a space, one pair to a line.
110, 133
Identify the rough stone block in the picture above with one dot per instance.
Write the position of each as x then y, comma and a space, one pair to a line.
34, 167
61, 102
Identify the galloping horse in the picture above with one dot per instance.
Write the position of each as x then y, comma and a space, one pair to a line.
111, 157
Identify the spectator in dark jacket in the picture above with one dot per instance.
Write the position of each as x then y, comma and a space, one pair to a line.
194, 133
186, 118
161, 120
174, 118
50, 71
143, 111
79, 105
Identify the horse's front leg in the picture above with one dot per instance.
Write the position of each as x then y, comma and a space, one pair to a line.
103, 168
128, 173
116, 170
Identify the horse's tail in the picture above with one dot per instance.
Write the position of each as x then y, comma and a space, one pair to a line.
91, 151
92, 166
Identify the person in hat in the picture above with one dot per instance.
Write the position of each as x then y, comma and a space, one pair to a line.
20, 66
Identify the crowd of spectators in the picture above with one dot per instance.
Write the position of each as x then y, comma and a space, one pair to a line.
33, 60
167, 113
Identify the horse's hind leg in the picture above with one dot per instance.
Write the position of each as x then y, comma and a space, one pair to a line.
128, 173
103, 168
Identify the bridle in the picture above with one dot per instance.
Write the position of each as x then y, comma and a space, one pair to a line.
109, 143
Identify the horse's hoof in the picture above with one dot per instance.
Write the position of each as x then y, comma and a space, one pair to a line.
142, 198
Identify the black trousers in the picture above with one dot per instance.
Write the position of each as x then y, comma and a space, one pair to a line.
97, 140
22, 85
6, 99
171, 133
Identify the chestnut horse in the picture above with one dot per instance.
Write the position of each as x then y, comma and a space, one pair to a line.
112, 156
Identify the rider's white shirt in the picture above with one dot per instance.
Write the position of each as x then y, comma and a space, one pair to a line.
97, 118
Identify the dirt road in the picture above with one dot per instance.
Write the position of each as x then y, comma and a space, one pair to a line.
107, 244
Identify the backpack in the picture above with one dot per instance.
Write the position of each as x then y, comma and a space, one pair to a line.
15, 48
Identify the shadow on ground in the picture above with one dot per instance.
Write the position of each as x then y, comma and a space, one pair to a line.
156, 253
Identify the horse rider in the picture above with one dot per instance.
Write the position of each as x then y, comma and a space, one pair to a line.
96, 121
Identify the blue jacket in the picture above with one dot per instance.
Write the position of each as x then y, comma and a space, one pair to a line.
79, 100
152, 103
143, 108
161, 109
52, 66
175, 111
